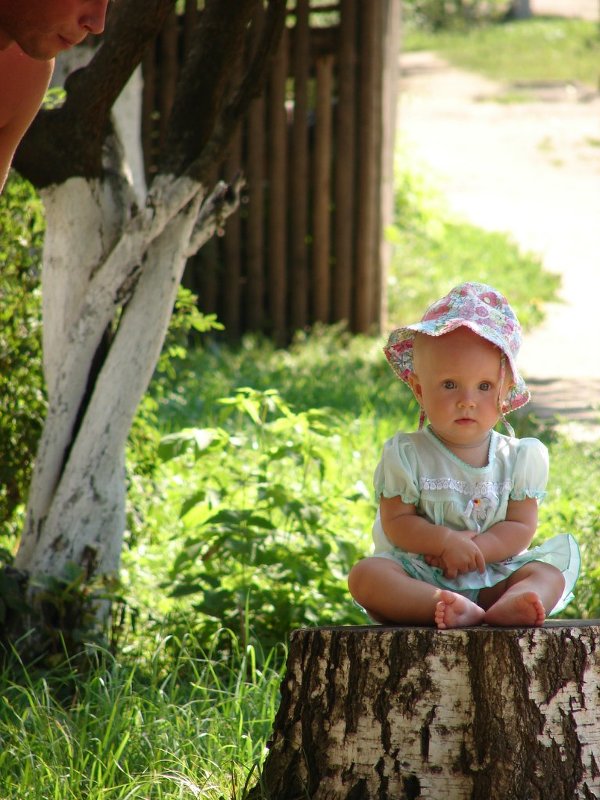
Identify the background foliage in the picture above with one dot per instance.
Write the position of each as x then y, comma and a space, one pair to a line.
542, 50
436, 15
22, 400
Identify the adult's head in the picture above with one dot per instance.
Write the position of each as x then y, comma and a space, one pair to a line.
42, 28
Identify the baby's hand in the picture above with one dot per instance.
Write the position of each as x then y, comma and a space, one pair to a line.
460, 554
436, 561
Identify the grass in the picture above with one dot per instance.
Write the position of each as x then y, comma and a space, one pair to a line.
573, 506
539, 49
173, 722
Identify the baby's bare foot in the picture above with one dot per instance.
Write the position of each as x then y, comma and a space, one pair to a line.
455, 611
517, 609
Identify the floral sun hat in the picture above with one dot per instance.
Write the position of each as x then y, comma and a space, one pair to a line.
478, 307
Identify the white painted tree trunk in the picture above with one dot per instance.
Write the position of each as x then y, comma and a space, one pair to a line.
127, 116
421, 714
102, 268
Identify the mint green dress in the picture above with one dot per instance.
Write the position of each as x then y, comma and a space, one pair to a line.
420, 470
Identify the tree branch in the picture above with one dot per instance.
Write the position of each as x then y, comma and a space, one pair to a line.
249, 88
217, 45
222, 202
132, 26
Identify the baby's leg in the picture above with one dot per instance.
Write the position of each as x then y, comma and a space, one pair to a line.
528, 593
389, 595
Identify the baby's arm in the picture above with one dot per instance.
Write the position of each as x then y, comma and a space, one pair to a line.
513, 535
454, 551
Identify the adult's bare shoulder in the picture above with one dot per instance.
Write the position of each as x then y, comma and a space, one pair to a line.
23, 83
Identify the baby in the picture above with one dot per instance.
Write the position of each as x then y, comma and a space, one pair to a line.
457, 500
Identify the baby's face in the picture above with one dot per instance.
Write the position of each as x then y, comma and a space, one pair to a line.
458, 383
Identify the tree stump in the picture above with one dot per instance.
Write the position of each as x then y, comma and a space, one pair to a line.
408, 713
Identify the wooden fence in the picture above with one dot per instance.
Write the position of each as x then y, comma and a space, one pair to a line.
317, 152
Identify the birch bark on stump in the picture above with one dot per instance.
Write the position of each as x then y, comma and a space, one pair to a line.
414, 713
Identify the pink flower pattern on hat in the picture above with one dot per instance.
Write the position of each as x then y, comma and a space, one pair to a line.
437, 310
476, 306
491, 298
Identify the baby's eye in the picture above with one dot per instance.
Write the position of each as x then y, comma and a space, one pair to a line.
449, 384
485, 386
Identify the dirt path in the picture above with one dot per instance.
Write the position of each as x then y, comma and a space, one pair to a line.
586, 9
532, 169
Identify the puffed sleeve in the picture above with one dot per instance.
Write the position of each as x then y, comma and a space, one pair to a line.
396, 473
530, 474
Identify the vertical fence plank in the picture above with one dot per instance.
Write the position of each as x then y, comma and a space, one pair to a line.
190, 17
204, 267
367, 173
231, 291
376, 232
255, 173
299, 166
343, 267
277, 170
255, 249
148, 108
390, 72
206, 278
321, 274
309, 244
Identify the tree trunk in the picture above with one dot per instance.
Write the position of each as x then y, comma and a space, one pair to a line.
113, 260
520, 9
75, 511
415, 713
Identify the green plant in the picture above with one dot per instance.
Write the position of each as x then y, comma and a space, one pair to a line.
263, 550
573, 506
186, 323
22, 392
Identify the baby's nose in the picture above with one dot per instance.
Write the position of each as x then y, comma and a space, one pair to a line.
466, 401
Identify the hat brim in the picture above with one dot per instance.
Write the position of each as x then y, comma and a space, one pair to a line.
399, 353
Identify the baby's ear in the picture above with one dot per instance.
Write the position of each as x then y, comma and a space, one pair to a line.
413, 382
507, 388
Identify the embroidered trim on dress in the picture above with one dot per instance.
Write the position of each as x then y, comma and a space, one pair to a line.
528, 495
478, 489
